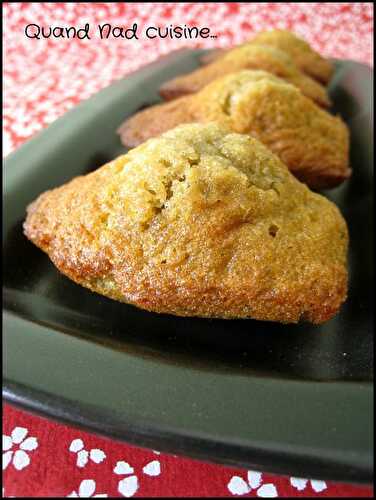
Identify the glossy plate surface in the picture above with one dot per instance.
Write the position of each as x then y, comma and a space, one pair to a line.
286, 399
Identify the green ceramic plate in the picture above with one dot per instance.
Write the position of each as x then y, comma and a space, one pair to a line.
286, 399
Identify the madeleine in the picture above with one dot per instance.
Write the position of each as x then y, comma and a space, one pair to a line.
198, 222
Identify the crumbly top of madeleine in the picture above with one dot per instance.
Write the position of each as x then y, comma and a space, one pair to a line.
193, 167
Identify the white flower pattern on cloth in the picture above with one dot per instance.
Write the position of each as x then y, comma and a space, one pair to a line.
95, 454
86, 490
18, 457
130, 484
238, 486
301, 484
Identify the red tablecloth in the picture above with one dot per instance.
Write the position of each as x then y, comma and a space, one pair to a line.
43, 79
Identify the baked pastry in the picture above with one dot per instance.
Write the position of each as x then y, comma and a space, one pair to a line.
311, 142
198, 222
249, 56
305, 58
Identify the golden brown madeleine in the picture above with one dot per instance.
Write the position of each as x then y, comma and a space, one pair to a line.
156, 119
249, 56
310, 141
305, 58
198, 222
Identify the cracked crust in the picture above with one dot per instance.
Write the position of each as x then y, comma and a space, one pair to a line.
198, 222
310, 141
305, 58
249, 56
